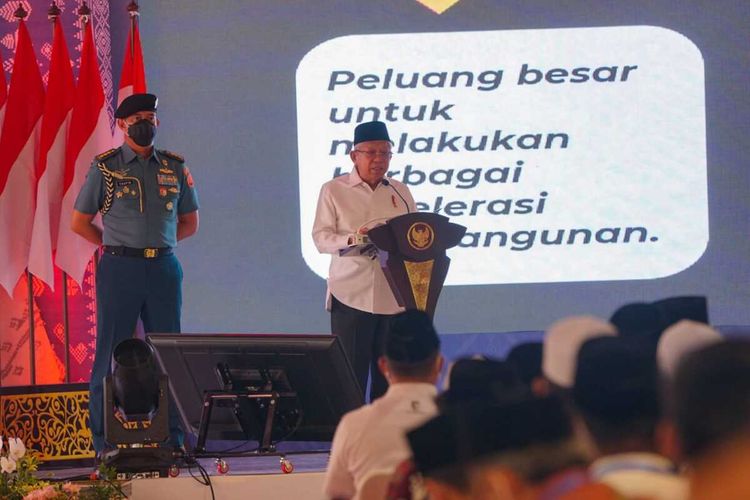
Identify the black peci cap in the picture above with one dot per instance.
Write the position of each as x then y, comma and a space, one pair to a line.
135, 103
616, 379
476, 431
371, 131
675, 309
411, 337
638, 319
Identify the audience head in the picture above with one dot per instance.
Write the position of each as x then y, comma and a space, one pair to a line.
711, 397
675, 309
437, 454
527, 438
480, 379
638, 319
411, 349
562, 342
616, 393
681, 339
526, 359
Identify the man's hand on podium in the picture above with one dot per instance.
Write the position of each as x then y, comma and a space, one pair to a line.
370, 251
357, 239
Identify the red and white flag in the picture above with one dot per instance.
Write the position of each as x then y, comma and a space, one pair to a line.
58, 109
89, 135
19, 145
133, 76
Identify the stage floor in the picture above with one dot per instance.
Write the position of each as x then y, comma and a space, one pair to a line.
248, 477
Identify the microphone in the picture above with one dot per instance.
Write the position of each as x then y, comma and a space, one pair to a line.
386, 182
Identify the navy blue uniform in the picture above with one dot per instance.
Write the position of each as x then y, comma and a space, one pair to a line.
138, 275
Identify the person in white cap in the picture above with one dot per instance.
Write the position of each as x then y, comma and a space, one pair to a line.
562, 342
681, 339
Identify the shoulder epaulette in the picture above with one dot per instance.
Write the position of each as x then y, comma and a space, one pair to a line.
107, 154
172, 155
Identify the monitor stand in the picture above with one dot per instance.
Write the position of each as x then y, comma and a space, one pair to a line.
210, 398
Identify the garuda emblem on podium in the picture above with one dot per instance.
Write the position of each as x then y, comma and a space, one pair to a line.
420, 236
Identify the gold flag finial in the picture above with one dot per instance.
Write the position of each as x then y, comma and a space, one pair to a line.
85, 12
53, 12
134, 8
20, 13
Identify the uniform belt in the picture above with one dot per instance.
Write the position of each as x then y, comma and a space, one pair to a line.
144, 253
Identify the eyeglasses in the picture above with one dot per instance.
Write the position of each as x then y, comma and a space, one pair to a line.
373, 154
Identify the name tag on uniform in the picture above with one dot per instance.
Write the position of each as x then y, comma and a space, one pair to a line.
124, 183
167, 180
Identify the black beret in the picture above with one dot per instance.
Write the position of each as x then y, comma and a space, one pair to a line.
371, 131
135, 103
411, 337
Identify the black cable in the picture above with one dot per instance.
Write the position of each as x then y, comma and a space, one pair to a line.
205, 478
274, 443
294, 429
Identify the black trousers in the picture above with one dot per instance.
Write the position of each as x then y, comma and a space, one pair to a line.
362, 335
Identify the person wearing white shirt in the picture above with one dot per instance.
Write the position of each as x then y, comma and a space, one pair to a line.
359, 298
373, 437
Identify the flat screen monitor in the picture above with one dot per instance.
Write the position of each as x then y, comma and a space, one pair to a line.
311, 372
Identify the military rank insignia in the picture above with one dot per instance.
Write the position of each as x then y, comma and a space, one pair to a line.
189, 177
166, 180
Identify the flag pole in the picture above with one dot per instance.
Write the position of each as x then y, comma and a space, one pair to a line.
85, 12
133, 12
20, 14
53, 14
32, 338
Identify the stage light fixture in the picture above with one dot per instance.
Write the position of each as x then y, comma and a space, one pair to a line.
136, 412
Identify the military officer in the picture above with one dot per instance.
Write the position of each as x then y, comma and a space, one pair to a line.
148, 202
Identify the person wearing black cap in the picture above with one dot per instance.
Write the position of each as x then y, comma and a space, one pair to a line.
520, 448
148, 202
371, 438
359, 297
616, 393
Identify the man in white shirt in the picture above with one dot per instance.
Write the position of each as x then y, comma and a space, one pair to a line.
373, 437
359, 297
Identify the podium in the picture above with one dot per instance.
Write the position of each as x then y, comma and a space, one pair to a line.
412, 256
